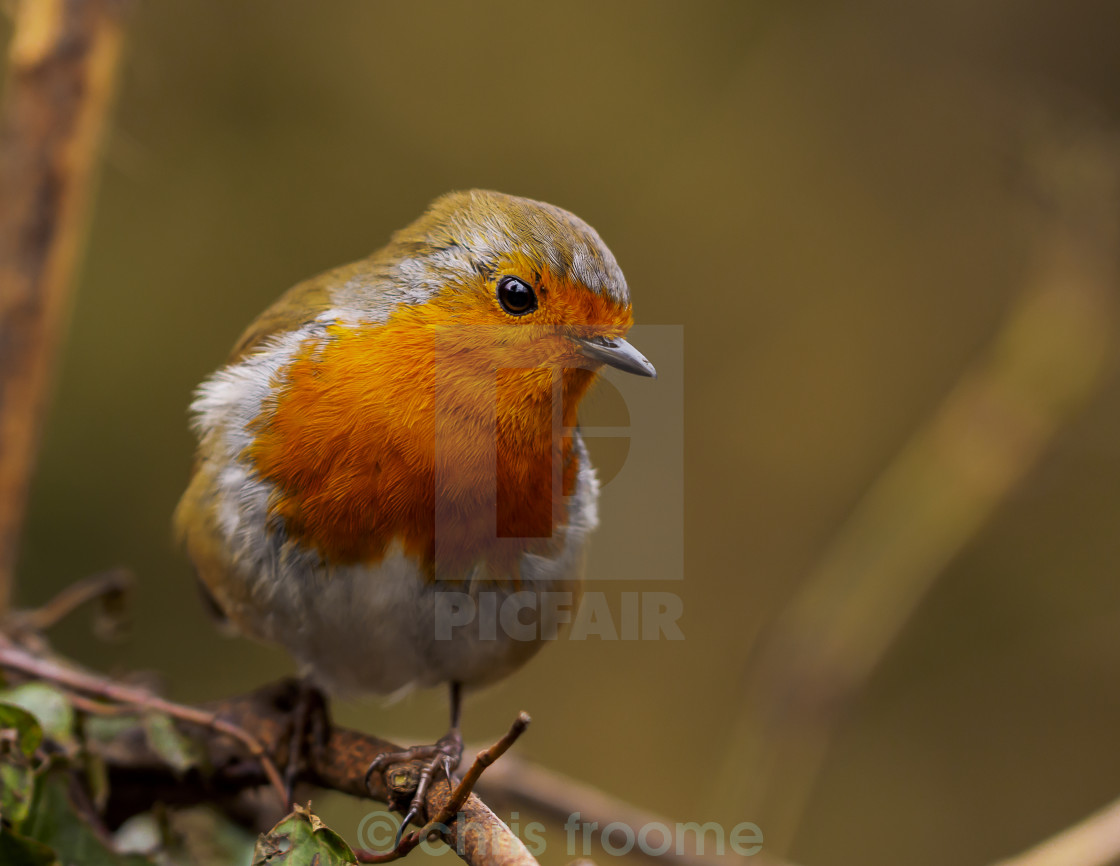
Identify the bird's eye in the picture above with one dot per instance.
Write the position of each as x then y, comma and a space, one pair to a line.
516, 296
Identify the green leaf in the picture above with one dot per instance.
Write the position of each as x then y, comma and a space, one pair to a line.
49, 706
97, 779
16, 850
179, 751
17, 788
201, 835
17, 776
301, 839
56, 823
29, 733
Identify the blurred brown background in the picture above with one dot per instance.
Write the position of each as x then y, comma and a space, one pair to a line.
841, 204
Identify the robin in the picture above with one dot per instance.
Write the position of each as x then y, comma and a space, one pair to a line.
403, 430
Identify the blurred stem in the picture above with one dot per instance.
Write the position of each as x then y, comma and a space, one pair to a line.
514, 783
62, 66
929, 502
1092, 842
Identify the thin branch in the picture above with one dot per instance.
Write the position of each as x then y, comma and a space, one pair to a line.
456, 799
516, 783
62, 69
16, 659
260, 725
138, 776
482, 760
107, 588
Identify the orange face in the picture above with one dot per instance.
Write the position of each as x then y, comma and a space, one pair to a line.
442, 428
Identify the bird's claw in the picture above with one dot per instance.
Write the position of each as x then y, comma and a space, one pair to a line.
445, 754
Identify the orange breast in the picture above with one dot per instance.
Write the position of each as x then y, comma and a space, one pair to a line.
414, 431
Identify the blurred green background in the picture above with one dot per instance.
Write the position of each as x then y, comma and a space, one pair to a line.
837, 202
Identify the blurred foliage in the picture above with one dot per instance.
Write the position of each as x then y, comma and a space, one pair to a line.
52, 776
828, 198
41, 825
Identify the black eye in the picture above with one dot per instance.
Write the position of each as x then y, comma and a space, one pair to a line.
516, 296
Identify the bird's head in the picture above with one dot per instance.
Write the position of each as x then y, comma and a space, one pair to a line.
517, 283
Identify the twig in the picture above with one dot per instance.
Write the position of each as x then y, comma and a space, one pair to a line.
61, 72
108, 586
440, 823
482, 760
13, 658
260, 725
514, 782
96, 708
1094, 841
478, 836
138, 776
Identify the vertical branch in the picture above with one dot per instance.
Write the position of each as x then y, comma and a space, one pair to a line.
61, 71
1045, 363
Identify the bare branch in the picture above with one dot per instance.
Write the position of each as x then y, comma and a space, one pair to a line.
108, 588
257, 724
516, 783
15, 659
483, 759
61, 73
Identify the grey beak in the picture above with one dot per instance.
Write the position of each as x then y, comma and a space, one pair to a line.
616, 352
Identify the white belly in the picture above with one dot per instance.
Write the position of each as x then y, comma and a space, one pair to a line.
387, 629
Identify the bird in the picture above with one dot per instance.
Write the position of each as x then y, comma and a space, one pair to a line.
401, 431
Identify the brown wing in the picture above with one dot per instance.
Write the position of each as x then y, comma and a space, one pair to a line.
366, 285
195, 517
297, 306
196, 520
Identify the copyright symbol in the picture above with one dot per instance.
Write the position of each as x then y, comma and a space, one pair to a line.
377, 831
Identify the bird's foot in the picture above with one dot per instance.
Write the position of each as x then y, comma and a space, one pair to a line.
308, 729
443, 755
